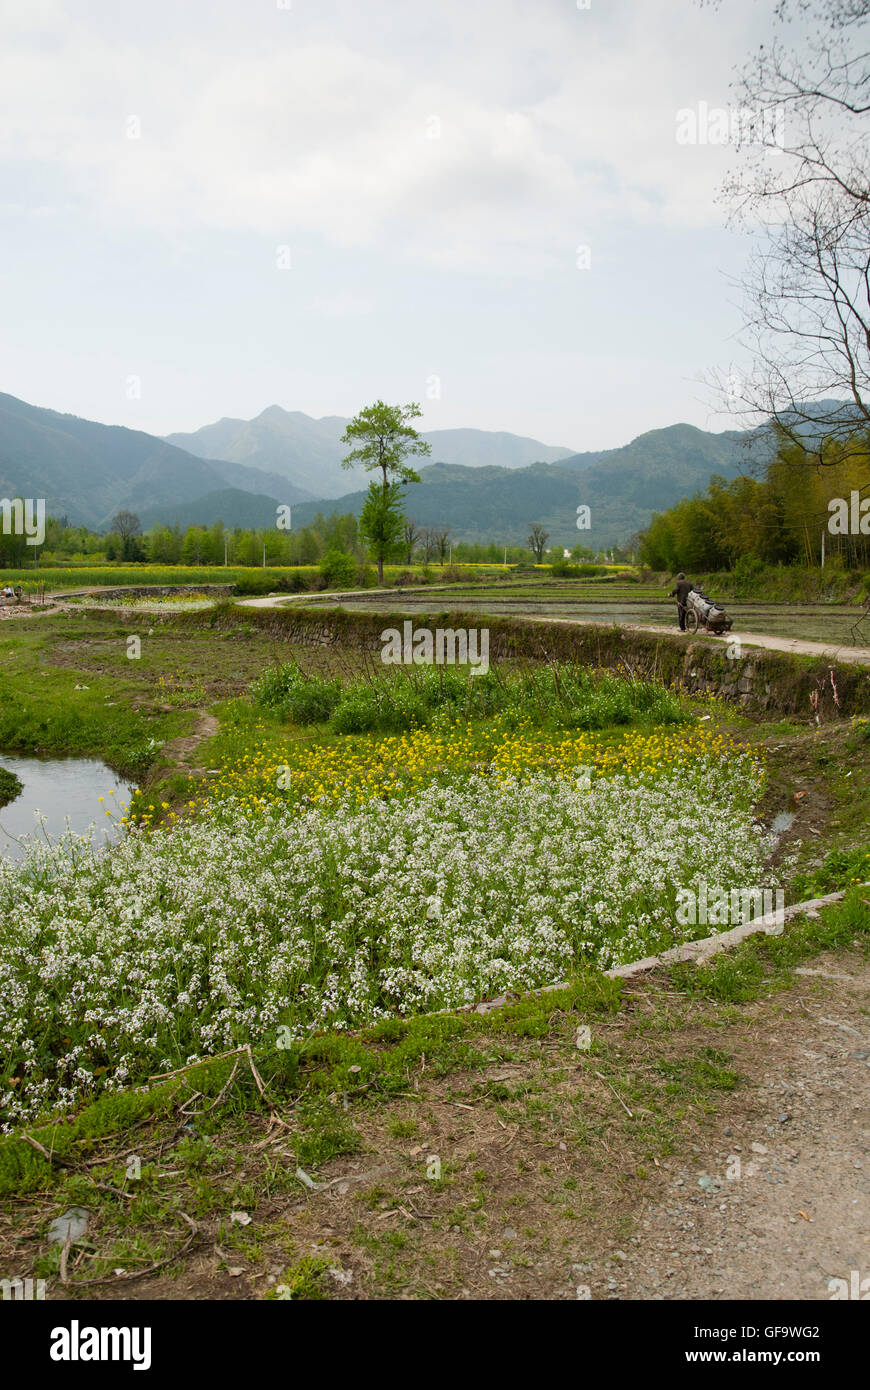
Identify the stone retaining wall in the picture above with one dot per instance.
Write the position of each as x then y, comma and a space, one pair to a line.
151, 591
761, 682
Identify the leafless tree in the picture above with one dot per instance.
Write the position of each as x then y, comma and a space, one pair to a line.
411, 536
442, 542
804, 182
126, 524
537, 541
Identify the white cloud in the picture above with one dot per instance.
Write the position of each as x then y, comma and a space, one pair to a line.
342, 306
328, 138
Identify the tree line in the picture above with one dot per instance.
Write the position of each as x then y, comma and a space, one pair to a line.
125, 542
787, 515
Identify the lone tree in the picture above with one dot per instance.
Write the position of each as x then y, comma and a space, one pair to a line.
442, 542
538, 538
381, 523
382, 437
411, 537
803, 181
128, 526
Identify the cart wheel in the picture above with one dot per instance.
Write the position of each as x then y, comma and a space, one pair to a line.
691, 621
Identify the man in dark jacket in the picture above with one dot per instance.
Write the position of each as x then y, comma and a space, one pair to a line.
681, 590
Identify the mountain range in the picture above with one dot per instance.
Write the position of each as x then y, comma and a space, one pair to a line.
88, 472
484, 485
308, 452
622, 487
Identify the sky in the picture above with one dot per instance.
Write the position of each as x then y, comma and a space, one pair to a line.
213, 206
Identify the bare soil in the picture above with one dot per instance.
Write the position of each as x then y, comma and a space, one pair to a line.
725, 1155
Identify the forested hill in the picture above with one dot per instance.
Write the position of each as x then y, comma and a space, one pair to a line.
88, 471
622, 487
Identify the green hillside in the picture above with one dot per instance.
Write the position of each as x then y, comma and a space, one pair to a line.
309, 451
88, 471
622, 487
229, 505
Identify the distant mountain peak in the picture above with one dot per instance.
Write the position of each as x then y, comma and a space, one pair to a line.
308, 451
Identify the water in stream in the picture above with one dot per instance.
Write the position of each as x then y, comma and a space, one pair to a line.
66, 792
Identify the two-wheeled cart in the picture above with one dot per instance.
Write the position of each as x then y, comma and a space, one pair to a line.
705, 615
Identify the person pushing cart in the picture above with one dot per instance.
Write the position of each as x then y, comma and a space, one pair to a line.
681, 591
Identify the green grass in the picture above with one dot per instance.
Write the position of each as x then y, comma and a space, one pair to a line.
43, 711
557, 696
303, 1281
764, 961
375, 1061
791, 583
252, 579
10, 786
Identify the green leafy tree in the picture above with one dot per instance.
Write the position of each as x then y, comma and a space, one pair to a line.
191, 550
382, 438
381, 523
131, 550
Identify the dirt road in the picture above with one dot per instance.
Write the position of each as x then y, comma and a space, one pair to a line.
836, 652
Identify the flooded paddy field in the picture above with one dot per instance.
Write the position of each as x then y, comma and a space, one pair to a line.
813, 622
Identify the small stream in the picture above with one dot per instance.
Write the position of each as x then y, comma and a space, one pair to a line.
66, 792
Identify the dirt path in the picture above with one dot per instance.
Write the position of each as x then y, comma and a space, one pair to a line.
568, 1220
778, 1203
179, 750
856, 655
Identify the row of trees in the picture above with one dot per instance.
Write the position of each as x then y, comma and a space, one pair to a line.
781, 517
194, 545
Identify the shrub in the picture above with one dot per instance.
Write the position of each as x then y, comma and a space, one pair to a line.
563, 569
393, 709
358, 711
304, 699
558, 696
338, 570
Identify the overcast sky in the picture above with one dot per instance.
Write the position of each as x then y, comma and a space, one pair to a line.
225, 204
